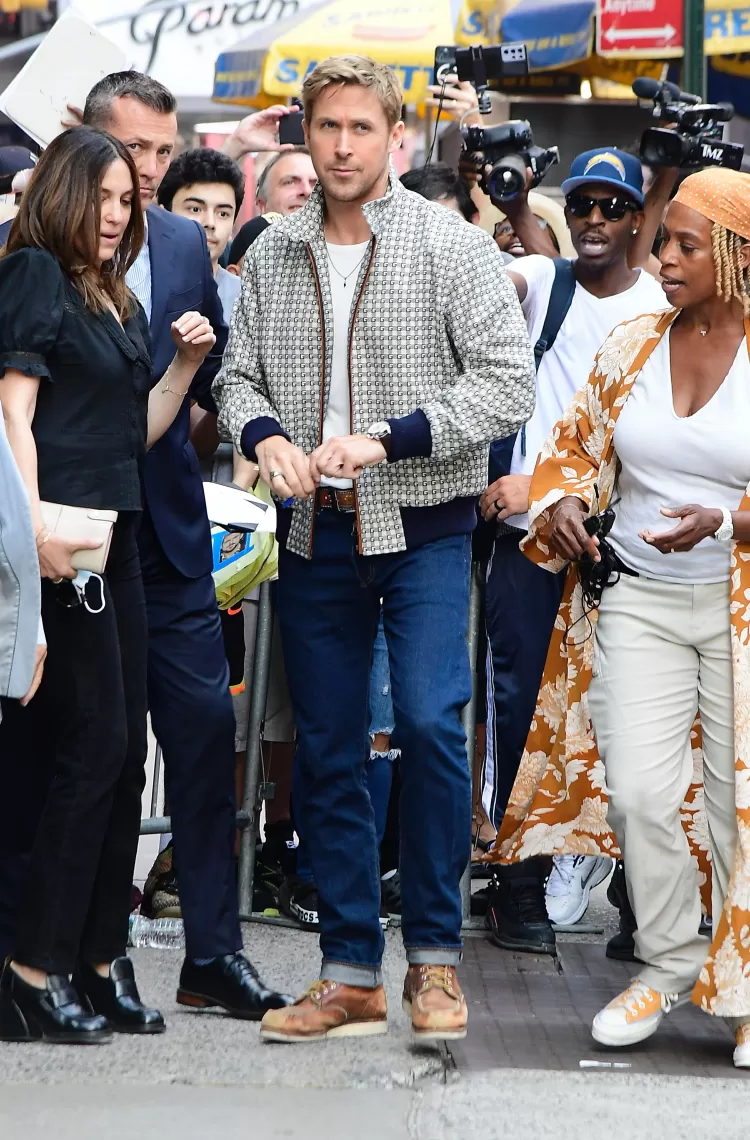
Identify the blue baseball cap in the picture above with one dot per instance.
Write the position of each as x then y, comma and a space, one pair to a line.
606, 166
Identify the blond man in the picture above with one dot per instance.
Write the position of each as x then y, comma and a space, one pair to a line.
376, 349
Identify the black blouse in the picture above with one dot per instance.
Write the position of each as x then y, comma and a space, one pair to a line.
90, 421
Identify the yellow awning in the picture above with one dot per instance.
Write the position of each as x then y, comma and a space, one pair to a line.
274, 62
24, 5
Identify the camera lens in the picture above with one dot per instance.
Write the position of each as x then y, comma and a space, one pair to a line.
661, 147
507, 177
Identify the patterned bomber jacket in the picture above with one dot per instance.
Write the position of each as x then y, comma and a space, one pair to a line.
436, 325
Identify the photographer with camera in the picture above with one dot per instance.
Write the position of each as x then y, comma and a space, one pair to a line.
659, 432
570, 308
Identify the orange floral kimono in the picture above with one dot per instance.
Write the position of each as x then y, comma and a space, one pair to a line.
559, 803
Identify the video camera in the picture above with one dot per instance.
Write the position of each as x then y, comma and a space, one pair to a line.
695, 140
508, 147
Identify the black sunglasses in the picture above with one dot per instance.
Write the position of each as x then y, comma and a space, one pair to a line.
613, 209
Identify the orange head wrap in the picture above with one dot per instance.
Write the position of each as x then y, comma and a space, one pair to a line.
721, 195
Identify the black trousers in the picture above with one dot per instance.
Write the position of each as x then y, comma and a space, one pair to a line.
193, 720
90, 711
521, 604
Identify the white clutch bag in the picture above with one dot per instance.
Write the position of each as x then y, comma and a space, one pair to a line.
82, 524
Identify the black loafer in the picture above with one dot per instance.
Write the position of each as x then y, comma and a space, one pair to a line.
117, 998
55, 1014
230, 982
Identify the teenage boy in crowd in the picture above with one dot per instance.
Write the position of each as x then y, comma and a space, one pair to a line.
401, 352
604, 209
209, 187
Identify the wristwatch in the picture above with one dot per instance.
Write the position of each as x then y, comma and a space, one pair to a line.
382, 432
725, 533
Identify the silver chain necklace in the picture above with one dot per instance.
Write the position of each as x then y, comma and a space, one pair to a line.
345, 277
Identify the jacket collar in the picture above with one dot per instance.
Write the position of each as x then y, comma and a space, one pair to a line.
306, 225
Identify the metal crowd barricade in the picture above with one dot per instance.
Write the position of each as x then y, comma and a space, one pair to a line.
248, 818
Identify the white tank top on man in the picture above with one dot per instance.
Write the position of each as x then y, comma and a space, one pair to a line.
669, 461
343, 266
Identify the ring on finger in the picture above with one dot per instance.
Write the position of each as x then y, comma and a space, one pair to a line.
273, 475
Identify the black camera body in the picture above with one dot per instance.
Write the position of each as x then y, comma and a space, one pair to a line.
509, 149
479, 65
695, 140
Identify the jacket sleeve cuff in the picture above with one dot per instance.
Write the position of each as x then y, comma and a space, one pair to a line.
257, 430
411, 436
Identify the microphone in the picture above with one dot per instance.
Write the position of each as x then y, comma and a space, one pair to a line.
646, 88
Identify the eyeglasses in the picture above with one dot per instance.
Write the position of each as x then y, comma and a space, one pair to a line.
613, 209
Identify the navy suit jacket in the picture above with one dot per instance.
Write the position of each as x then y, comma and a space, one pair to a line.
181, 280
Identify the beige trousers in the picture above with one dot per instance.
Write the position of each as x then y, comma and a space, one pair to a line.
662, 653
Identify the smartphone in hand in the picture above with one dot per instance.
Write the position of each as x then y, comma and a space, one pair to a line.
290, 129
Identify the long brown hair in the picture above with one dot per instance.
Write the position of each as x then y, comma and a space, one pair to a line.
61, 212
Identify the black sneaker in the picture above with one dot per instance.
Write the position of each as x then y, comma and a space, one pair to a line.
621, 946
390, 893
298, 899
161, 896
480, 900
516, 912
279, 849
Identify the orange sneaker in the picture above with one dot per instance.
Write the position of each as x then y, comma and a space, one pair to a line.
328, 1009
434, 1002
633, 1015
742, 1050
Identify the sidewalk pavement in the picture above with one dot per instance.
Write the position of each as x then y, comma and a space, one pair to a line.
516, 1077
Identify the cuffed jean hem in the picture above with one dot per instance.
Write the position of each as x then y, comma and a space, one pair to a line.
367, 977
433, 956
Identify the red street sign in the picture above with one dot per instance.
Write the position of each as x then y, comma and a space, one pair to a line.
648, 28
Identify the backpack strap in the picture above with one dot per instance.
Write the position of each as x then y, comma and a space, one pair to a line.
560, 300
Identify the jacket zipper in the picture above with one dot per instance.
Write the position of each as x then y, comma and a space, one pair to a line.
319, 295
349, 370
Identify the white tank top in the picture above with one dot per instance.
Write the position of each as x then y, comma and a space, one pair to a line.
669, 461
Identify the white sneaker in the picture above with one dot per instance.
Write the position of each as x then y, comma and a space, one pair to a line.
570, 884
742, 1050
633, 1015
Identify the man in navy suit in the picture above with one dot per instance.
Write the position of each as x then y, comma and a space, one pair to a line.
188, 679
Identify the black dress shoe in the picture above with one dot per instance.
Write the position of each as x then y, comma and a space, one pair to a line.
516, 915
117, 998
53, 1014
230, 982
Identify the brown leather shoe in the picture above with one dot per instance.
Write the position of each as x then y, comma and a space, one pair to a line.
328, 1009
434, 1002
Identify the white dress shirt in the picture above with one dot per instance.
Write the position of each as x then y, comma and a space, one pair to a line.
138, 276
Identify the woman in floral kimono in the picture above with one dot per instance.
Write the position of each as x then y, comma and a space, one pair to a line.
660, 432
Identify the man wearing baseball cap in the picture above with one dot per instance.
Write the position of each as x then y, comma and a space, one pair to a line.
593, 293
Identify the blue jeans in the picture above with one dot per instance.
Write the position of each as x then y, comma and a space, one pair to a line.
379, 771
328, 613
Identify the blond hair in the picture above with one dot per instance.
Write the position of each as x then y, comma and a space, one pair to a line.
359, 70
731, 279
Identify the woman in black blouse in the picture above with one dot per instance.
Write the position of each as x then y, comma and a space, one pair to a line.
80, 411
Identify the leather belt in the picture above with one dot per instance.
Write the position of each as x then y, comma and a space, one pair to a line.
334, 499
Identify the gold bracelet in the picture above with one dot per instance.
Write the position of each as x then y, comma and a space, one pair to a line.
46, 538
166, 388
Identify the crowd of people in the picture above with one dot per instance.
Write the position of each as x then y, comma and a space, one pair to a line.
421, 377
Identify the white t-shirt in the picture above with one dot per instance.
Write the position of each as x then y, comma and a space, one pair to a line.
669, 460
567, 365
338, 416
